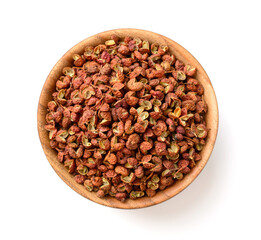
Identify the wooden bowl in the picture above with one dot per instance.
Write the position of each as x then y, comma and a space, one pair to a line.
181, 54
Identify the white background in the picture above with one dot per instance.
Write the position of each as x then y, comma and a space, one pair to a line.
222, 203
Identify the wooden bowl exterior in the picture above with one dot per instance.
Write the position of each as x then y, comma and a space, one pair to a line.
181, 54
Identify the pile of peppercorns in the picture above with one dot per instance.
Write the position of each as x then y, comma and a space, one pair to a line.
127, 119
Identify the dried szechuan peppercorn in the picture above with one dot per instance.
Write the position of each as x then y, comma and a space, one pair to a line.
127, 118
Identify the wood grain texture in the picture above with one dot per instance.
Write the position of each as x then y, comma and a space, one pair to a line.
180, 53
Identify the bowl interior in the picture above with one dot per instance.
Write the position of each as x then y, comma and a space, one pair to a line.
181, 54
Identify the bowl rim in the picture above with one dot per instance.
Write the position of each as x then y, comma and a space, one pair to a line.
108, 201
